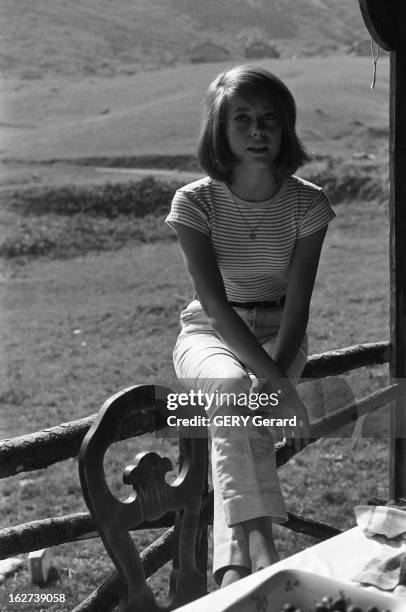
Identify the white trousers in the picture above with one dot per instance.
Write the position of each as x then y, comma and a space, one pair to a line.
245, 480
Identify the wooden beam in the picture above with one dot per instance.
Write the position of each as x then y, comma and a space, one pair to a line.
315, 529
397, 485
330, 423
41, 449
336, 362
53, 531
386, 22
339, 418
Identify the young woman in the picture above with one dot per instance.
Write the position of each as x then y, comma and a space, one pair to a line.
251, 234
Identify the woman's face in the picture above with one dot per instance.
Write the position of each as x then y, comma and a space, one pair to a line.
253, 131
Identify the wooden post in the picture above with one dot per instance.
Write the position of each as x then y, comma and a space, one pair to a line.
398, 252
386, 21
201, 543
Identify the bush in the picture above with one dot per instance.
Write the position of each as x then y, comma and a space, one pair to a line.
350, 187
71, 220
64, 237
138, 199
151, 196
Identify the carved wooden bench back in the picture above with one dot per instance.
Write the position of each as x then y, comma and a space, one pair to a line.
144, 408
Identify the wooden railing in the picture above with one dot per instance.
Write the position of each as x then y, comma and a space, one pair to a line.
52, 445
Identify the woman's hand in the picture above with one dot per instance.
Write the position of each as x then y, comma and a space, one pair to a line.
290, 406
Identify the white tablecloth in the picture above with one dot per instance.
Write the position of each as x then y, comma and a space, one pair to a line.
341, 557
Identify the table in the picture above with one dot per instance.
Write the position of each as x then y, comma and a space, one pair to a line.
341, 557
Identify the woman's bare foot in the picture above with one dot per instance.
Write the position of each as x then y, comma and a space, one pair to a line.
262, 556
234, 573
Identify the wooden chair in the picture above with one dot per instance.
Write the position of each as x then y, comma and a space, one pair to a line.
153, 497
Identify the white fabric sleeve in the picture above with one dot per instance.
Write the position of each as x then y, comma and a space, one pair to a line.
317, 216
187, 210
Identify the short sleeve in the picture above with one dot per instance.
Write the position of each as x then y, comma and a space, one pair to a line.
317, 216
187, 210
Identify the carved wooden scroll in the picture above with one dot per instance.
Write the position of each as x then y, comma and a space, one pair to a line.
153, 497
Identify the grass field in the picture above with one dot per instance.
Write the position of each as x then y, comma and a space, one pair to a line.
89, 319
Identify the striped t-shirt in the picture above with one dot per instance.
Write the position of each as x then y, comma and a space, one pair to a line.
256, 269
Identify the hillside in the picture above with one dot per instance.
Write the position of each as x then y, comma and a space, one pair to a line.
98, 37
139, 115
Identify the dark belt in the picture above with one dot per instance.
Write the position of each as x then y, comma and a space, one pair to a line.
262, 304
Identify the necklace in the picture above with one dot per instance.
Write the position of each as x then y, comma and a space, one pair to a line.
252, 230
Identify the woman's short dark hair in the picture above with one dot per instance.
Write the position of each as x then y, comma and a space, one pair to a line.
214, 153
